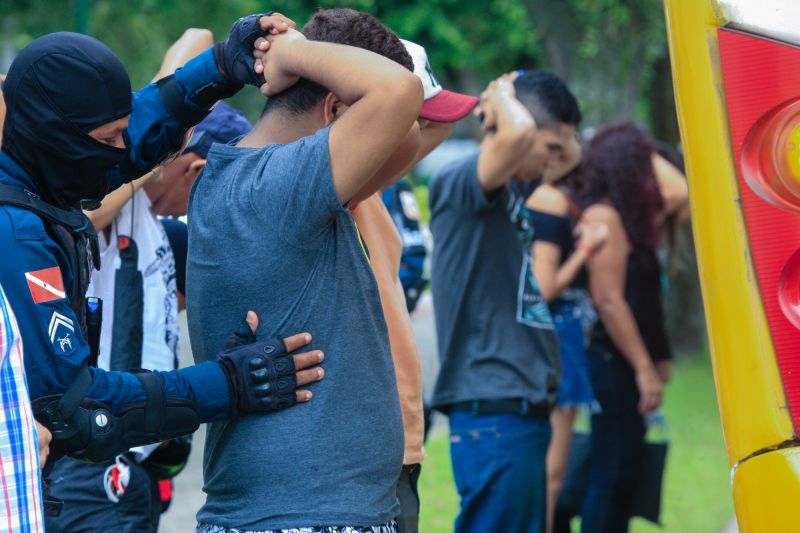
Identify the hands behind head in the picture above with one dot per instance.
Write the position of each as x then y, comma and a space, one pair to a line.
502, 87
271, 63
233, 54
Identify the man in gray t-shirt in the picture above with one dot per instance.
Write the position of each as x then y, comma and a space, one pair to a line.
270, 230
499, 352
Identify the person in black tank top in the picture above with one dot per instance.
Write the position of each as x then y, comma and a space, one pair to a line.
620, 189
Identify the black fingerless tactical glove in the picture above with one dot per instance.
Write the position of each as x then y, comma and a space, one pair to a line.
261, 374
234, 55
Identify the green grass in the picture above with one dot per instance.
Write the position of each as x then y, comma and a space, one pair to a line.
422, 199
697, 496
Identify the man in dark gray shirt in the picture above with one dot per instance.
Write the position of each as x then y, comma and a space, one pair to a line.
270, 230
500, 364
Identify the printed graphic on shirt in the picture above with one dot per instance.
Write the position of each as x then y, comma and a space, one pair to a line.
532, 309
164, 264
116, 479
45, 285
61, 331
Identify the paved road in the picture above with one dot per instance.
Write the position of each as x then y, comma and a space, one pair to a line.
189, 497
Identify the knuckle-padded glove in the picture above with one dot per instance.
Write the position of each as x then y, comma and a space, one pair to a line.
234, 55
261, 375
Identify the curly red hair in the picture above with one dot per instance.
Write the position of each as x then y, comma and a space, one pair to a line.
618, 168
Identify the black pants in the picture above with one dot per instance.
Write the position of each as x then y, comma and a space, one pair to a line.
617, 445
87, 509
408, 495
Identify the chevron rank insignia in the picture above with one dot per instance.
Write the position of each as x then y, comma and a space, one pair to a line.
62, 333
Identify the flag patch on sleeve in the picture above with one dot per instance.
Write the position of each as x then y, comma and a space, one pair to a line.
45, 285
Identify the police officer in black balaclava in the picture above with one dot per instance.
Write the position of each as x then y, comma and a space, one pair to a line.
73, 131
68, 101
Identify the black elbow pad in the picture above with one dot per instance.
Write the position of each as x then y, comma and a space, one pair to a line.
92, 433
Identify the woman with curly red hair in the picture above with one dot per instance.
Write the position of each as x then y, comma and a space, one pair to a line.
629, 343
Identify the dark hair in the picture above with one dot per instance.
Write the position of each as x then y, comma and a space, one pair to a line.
618, 167
547, 98
340, 26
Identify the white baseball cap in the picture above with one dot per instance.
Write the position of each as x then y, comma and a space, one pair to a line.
440, 105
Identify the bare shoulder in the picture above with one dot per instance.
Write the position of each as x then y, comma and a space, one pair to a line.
602, 213
548, 199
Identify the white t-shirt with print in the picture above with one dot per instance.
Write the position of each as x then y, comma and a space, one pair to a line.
157, 265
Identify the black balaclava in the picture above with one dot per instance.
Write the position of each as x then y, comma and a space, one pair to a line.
58, 89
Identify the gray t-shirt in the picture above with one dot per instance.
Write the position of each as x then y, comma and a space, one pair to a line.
267, 232
495, 334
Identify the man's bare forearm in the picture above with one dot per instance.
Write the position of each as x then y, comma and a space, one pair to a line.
513, 138
348, 72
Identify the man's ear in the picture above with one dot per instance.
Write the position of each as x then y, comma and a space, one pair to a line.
333, 108
194, 168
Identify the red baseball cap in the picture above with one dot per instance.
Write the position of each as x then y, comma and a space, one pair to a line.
440, 105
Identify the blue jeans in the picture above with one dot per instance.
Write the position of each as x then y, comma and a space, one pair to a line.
617, 444
500, 471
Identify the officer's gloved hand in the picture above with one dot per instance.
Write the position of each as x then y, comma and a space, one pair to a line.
264, 375
234, 55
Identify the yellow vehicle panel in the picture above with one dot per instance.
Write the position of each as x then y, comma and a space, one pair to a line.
737, 89
749, 389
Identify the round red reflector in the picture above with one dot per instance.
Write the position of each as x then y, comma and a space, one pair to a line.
789, 289
771, 156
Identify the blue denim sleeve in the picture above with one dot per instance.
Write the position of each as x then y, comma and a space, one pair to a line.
154, 132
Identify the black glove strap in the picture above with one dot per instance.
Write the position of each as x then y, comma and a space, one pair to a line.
156, 401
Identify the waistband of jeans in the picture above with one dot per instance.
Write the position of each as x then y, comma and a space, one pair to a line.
512, 406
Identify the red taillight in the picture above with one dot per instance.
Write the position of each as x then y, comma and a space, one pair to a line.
771, 156
789, 289
762, 90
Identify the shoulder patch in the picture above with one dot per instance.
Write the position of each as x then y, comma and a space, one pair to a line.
45, 285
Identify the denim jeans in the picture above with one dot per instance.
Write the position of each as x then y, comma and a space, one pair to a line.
500, 471
617, 444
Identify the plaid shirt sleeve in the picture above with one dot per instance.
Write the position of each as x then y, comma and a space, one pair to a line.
20, 477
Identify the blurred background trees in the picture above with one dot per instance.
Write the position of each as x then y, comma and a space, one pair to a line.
612, 53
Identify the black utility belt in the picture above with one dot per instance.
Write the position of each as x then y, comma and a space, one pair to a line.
502, 407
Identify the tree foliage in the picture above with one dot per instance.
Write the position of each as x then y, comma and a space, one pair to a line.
613, 53
606, 49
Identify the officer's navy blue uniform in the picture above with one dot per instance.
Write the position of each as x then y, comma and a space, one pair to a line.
54, 345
